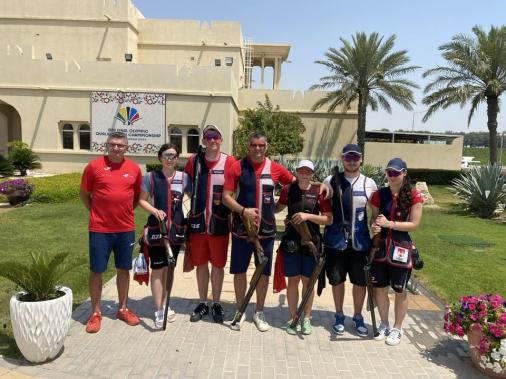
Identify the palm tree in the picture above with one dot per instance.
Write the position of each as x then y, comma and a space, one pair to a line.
368, 71
476, 72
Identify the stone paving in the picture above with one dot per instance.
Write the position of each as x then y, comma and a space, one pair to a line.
208, 350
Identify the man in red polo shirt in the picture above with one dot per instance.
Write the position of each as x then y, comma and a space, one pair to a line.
110, 187
252, 180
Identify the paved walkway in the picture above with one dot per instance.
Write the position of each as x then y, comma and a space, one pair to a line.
208, 350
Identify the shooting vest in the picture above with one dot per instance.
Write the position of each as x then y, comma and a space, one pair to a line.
355, 218
211, 216
256, 192
301, 202
167, 195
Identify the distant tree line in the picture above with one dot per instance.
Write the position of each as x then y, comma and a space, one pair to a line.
472, 139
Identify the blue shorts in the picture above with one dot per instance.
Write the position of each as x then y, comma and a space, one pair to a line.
241, 255
296, 264
101, 245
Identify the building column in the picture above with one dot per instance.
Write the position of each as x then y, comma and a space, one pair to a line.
277, 73
262, 73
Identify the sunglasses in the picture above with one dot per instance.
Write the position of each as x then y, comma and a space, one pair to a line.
169, 156
118, 145
394, 173
352, 157
212, 136
257, 145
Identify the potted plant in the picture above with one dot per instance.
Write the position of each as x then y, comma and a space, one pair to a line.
483, 319
41, 312
17, 191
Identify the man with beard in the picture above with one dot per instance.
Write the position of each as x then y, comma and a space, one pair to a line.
346, 240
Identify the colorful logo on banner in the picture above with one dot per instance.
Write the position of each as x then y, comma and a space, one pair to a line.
127, 115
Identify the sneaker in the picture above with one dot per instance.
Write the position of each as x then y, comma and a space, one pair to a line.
383, 331
217, 312
171, 315
237, 325
289, 329
394, 337
360, 328
338, 327
199, 312
307, 329
159, 319
128, 316
259, 320
93, 324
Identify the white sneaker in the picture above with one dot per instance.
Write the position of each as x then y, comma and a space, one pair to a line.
394, 338
383, 331
237, 325
259, 320
171, 315
159, 319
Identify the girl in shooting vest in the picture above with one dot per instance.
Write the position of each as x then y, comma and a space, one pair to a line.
166, 189
396, 210
304, 205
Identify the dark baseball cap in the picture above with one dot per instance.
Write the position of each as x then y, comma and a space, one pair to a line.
397, 164
351, 148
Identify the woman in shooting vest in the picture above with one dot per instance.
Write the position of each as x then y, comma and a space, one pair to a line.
396, 210
304, 206
166, 188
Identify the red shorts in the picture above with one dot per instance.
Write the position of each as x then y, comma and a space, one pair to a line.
205, 248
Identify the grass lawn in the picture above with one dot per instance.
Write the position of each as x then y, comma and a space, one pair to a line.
462, 254
482, 154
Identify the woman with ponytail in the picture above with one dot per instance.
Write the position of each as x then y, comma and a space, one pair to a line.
396, 211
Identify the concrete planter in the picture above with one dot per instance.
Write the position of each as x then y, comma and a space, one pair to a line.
41, 327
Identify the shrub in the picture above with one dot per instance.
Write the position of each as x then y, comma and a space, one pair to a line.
434, 177
22, 157
56, 189
376, 173
483, 190
6, 168
153, 166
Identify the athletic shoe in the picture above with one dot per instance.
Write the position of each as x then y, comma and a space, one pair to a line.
93, 324
289, 329
394, 337
360, 328
307, 329
217, 312
171, 315
128, 316
159, 319
383, 331
199, 312
238, 324
259, 320
338, 327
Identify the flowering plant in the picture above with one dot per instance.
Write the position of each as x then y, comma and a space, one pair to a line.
485, 313
21, 186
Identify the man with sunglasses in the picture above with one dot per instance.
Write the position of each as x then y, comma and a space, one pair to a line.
208, 231
110, 188
347, 239
252, 179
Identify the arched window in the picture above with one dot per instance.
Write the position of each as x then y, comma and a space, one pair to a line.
176, 137
84, 137
67, 136
192, 142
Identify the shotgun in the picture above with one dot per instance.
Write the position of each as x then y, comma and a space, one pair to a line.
262, 262
170, 268
370, 290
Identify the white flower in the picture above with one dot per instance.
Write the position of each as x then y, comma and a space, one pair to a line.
489, 365
496, 356
497, 367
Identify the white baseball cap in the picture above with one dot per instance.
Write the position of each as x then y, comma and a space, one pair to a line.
306, 163
210, 127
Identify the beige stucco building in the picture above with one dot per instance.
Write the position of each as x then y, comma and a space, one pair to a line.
54, 54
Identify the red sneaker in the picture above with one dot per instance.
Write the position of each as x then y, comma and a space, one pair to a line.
128, 316
93, 324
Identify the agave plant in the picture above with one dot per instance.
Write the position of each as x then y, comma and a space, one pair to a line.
40, 277
483, 190
376, 173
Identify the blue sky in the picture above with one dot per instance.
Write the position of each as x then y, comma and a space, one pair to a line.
311, 27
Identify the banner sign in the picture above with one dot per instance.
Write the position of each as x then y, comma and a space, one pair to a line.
141, 116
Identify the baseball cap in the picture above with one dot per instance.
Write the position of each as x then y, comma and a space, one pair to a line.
306, 163
396, 164
351, 148
211, 127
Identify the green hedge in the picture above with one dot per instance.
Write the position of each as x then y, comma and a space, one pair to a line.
56, 189
440, 177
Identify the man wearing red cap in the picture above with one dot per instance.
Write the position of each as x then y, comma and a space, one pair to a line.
208, 226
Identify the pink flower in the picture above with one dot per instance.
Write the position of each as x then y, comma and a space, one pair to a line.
471, 306
482, 314
477, 327
484, 346
496, 330
460, 331
502, 319
473, 316
482, 306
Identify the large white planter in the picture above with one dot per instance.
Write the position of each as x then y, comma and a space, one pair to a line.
41, 327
